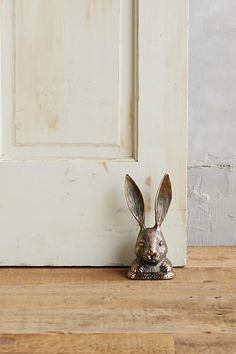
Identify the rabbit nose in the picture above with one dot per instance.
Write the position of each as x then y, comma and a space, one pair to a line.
152, 253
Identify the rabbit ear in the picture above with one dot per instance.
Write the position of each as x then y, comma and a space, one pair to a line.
135, 200
163, 199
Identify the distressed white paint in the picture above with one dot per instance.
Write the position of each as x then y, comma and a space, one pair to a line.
73, 85
71, 50
212, 128
64, 204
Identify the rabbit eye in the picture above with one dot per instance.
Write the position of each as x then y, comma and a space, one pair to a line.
161, 243
141, 243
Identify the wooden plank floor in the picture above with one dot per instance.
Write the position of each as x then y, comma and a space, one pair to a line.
88, 310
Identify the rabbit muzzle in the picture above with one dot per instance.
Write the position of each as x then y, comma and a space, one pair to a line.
151, 256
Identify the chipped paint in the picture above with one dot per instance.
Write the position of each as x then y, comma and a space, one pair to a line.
53, 121
121, 210
104, 164
148, 181
148, 205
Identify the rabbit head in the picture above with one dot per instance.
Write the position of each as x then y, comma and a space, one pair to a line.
150, 246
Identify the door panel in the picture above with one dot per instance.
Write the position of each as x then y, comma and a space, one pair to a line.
91, 90
72, 77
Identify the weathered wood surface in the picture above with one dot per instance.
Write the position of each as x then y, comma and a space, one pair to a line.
153, 343
59, 343
213, 257
196, 311
205, 343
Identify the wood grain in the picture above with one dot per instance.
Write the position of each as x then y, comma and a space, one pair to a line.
213, 257
194, 313
205, 343
59, 343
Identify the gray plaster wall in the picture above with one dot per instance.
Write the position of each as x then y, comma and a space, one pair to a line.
212, 122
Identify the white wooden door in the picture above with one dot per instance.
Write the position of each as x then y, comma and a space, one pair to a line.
90, 90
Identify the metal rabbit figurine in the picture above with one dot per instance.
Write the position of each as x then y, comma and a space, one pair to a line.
151, 248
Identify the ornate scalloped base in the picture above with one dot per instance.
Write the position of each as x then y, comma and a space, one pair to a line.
150, 275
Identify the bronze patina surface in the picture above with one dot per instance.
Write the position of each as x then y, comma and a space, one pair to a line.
151, 248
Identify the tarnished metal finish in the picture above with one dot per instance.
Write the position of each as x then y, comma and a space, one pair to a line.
151, 248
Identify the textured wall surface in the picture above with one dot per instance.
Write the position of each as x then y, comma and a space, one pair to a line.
212, 122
